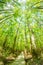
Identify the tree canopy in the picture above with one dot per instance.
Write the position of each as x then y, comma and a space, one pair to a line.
19, 20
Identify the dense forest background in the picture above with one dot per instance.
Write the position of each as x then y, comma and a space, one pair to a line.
21, 31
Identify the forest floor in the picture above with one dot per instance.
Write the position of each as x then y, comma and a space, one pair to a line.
20, 61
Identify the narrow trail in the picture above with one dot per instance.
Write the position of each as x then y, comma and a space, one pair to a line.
19, 60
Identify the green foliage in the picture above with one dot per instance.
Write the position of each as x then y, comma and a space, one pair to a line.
16, 20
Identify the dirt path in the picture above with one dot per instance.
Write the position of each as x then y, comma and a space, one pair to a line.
19, 60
